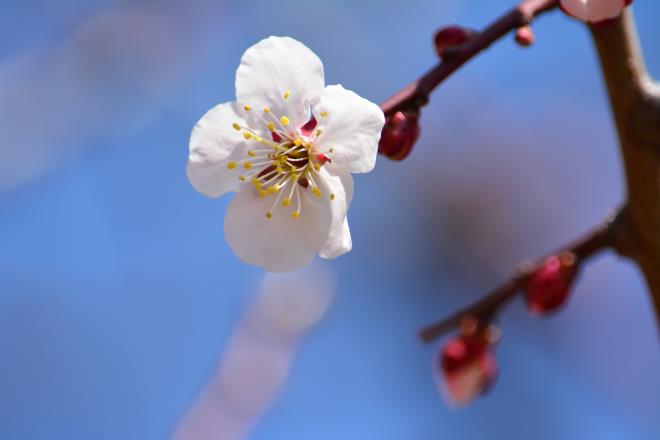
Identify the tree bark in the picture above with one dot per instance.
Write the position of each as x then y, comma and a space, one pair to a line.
635, 103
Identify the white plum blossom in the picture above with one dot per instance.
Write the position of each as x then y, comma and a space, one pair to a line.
287, 148
594, 11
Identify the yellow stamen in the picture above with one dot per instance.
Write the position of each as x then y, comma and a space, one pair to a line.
251, 153
284, 120
236, 126
317, 192
247, 165
295, 214
247, 134
247, 108
231, 165
272, 190
287, 94
324, 114
286, 202
266, 110
271, 126
269, 215
262, 193
241, 178
332, 196
297, 142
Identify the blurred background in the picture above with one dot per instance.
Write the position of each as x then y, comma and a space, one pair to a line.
120, 301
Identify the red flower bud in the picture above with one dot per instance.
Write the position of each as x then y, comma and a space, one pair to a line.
468, 368
548, 286
399, 134
450, 37
525, 36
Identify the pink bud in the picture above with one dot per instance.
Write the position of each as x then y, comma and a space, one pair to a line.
450, 37
399, 134
468, 368
548, 286
594, 11
525, 36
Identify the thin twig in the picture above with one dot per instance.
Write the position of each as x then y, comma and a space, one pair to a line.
417, 92
602, 237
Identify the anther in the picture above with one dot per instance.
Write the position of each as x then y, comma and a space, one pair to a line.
231, 165
332, 196
236, 126
271, 126
247, 165
269, 215
286, 202
284, 120
324, 114
251, 153
247, 108
295, 214
266, 110
287, 94
247, 134
297, 142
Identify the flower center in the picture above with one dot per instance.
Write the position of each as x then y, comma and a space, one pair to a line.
285, 161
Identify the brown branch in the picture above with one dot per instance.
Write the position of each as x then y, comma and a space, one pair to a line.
635, 103
417, 92
607, 235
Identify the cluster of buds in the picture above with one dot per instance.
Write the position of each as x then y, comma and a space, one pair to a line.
466, 365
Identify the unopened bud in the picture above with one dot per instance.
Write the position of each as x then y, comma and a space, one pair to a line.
549, 285
468, 368
399, 135
525, 36
450, 37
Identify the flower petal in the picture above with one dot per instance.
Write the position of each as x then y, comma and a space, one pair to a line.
281, 243
351, 126
277, 67
604, 9
593, 10
339, 241
213, 144
576, 8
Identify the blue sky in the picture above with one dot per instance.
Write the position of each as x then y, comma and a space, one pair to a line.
118, 292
